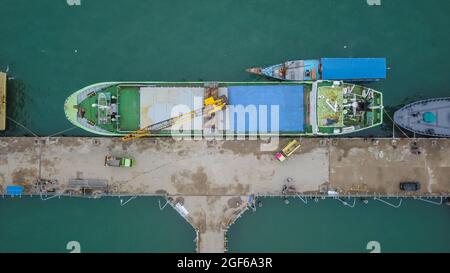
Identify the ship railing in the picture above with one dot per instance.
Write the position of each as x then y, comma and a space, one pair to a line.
84, 122
313, 105
83, 95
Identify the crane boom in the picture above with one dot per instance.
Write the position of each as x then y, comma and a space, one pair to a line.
211, 106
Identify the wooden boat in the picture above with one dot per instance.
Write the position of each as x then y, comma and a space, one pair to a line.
346, 69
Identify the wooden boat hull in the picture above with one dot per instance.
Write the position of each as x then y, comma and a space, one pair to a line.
334, 69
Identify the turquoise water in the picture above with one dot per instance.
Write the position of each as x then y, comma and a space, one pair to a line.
31, 225
329, 226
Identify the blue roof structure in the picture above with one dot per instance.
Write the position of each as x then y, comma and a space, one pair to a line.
14, 190
257, 99
353, 68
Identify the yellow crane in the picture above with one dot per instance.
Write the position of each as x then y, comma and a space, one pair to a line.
211, 105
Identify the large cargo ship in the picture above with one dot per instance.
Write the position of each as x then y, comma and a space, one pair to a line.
260, 108
426, 117
342, 69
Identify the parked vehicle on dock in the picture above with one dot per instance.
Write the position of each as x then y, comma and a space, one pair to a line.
410, 186
113, 161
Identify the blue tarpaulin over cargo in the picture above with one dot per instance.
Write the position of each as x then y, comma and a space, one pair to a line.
353, 68
289, 98
14, 190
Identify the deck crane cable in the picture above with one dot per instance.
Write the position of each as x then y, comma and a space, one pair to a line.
29, 130
211, 106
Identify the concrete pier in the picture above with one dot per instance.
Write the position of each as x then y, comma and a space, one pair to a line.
210, 182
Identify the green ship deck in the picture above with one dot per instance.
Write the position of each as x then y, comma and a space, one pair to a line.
304, 108
128, 107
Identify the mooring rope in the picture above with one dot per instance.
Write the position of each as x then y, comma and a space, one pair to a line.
34, 134
63, 131
393, 122
47, 198
303, 200
431, 201
162, 207
389, 204
126, 202
345, 203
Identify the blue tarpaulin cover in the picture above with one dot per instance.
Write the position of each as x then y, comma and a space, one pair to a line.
353, 68
14, 190
290, 111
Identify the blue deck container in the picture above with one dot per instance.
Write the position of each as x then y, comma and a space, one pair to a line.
354, 69
289, 98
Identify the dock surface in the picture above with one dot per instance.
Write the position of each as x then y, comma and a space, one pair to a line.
213, 181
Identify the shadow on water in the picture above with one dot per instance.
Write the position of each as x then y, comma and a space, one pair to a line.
388, 126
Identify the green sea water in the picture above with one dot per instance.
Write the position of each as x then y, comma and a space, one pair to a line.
330, 226
52, 49
32, 225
